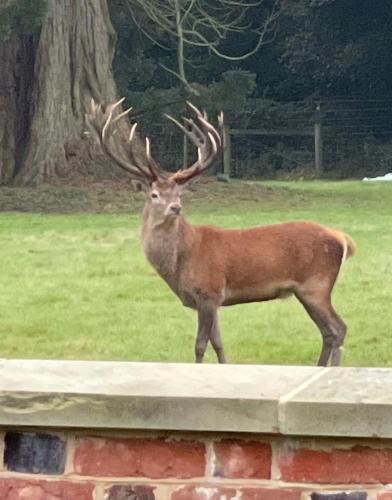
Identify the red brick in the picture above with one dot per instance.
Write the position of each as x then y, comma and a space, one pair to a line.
359, 464
339, 495
387, 495
123, 492
139, 458
200, 492
203, 492
242, 459
19, 489
269, 494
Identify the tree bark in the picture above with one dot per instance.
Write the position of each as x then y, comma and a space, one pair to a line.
49, 81
17, 56
7, 111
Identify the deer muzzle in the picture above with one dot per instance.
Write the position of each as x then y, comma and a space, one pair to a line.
175, 209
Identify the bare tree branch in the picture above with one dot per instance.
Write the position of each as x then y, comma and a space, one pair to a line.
202, 23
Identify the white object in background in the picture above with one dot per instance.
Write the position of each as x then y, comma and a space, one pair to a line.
386, 177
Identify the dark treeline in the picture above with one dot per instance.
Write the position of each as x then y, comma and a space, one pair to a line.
320, 49
267, 64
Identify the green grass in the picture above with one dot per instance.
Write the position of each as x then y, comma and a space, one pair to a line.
78, 286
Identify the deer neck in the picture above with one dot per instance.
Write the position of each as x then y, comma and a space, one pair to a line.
165, 245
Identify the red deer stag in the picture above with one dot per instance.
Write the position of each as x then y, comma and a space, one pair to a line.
208, 267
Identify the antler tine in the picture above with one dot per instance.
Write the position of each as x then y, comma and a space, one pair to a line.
102, 121
193, 108
211, 130
121, 115
198, 131
93, 105
213, 142
106, 124
152, 165
203, 118
200, 114
110, 109
153, 168
132, 132
204, 136
179, 125
117, 103
221, 119
194, 133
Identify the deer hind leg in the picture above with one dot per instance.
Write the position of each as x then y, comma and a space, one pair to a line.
331, 326
208, 329
337, 349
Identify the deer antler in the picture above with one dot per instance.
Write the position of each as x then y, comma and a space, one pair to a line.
204, 136
102, 121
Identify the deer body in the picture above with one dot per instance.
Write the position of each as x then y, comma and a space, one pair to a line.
208, 267
247, 265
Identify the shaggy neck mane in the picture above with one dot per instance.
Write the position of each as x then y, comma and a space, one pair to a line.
164, 244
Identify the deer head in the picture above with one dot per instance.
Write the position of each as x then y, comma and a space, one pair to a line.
163, 189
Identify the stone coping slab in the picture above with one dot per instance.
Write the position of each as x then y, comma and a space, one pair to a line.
289, 400
353, 402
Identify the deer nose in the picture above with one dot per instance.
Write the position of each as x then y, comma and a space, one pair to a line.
175, 208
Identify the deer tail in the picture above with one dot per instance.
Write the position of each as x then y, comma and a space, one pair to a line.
348, 245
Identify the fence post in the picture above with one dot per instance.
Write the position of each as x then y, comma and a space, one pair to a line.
318, 141
185, 152
226, 149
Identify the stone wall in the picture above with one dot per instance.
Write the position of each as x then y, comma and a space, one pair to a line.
143, 431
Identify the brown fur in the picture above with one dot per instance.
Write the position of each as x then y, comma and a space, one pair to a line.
223, 267
208, 267
255, 264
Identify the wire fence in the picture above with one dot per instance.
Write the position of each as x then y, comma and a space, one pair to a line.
271, 139
355, 139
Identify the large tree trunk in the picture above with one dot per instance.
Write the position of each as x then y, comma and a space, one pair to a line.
49, 80
8, 53
17, 57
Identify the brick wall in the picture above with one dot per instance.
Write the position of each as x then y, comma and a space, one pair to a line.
66, 465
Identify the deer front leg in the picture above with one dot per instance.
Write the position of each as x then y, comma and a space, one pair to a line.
208, 329
216, 341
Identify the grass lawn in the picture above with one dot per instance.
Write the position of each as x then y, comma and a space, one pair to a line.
78, 286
